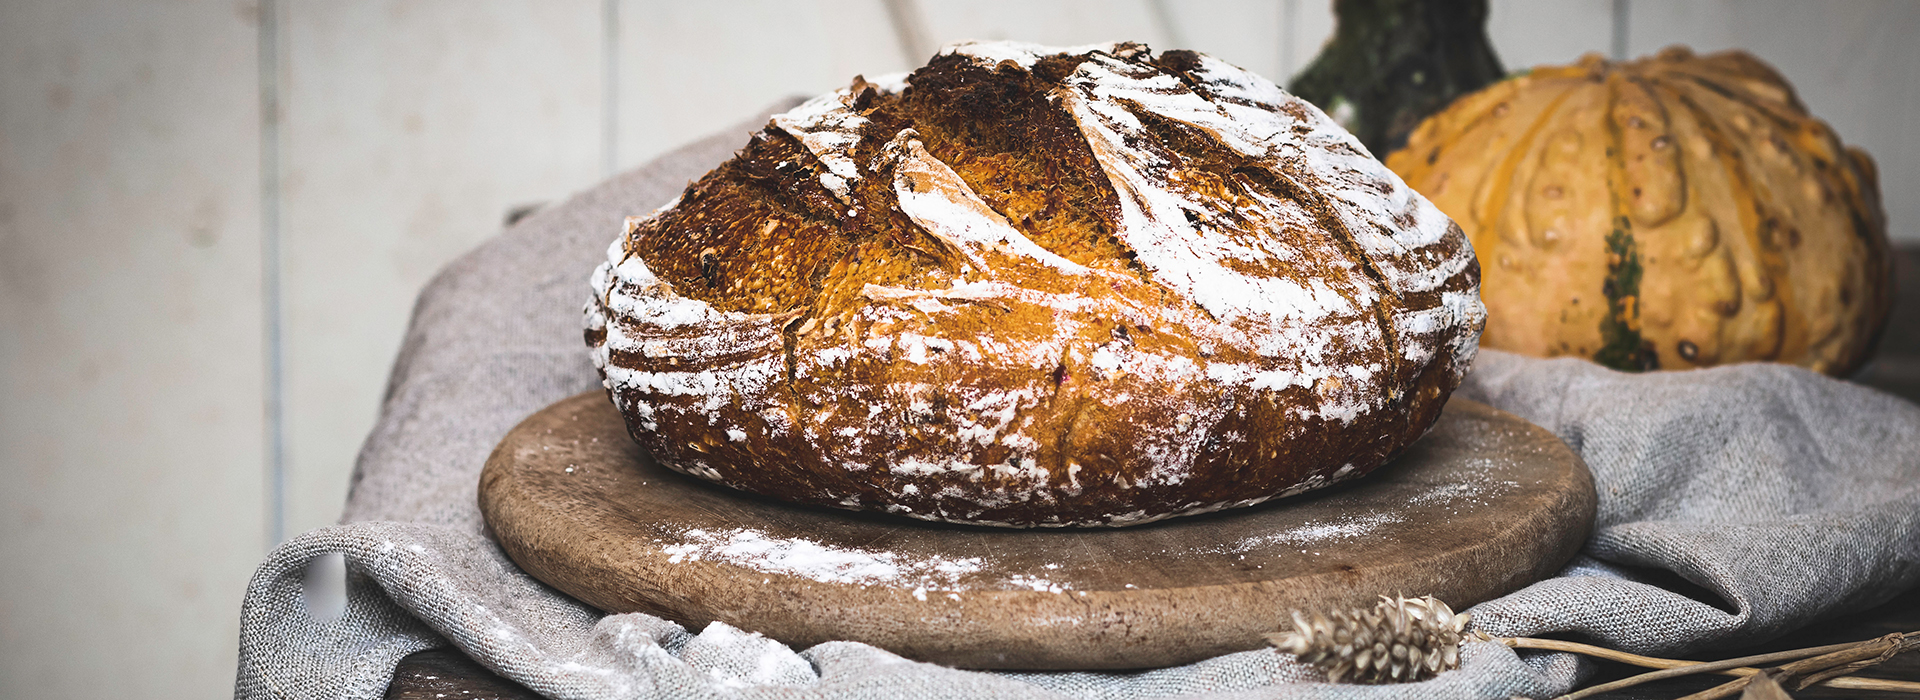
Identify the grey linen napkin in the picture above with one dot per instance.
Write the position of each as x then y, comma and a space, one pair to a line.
1736, 504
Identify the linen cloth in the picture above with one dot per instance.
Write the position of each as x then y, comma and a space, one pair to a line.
1735, 504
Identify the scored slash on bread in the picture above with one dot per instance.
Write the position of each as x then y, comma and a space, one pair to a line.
1039, 287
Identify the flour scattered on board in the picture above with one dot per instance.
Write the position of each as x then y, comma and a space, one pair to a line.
924, 574
1039, 584
1464, 494
1312, 534
1476, 488
825, 563
1476, 491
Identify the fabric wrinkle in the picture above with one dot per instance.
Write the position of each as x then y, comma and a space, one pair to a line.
1792, 496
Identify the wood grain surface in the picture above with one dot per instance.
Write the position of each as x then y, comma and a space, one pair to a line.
1481, 506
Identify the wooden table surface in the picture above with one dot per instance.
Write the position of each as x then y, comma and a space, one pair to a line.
445, 674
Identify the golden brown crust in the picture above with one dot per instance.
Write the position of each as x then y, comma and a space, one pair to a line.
1034, 288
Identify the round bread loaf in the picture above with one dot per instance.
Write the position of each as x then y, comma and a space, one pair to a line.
1026, 286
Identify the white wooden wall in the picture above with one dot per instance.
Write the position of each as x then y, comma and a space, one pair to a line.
214, 215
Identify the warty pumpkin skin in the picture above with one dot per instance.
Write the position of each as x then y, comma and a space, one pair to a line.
1671, 212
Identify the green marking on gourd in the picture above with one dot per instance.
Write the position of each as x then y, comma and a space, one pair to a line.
1621, 346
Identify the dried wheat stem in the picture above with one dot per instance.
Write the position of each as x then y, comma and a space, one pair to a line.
1409, 639
1653, 662
1601, 652
1848, 683
1841, 673
1808, 671
1710, 667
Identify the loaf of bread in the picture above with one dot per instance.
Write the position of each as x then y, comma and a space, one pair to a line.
1026, 286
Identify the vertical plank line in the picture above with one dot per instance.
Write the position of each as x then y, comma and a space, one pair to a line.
609, 87
1289, 21
1169, 25
1620, 10
909, 30
273, 390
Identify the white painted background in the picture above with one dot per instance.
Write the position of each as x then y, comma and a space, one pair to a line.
162, 223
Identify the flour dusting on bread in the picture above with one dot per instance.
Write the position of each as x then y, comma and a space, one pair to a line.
1039, 287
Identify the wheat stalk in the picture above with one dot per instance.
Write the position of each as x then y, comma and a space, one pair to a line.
1411, 639
1398, 640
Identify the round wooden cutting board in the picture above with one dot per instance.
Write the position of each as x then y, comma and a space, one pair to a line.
1484, 504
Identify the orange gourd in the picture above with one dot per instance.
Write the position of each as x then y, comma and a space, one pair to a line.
1671, 212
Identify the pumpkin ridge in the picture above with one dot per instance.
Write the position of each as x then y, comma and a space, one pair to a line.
1453, 128
1692, 344
1497, 187
1723, 152
1502, 181
1621, 345
1796, 328
1761, 103
1771, 264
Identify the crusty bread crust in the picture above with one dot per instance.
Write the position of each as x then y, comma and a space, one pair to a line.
1039, 287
